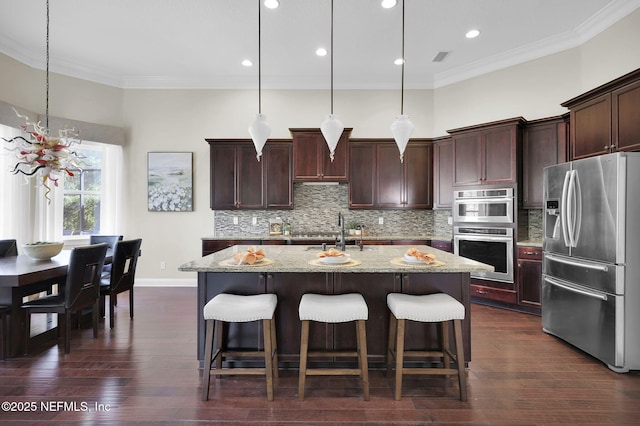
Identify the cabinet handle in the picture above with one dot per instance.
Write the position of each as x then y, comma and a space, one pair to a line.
481, 292
530, 252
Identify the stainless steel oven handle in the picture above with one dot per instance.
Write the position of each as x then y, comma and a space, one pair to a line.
603, 268
551, 281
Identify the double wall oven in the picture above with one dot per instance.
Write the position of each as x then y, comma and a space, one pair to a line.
483, 228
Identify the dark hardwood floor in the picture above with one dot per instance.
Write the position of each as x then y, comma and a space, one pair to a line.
144, 371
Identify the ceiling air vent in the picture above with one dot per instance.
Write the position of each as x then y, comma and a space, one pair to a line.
441, 56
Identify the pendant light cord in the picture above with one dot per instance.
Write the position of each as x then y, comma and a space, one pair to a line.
331, 56
403, 61
47, 74
259, 59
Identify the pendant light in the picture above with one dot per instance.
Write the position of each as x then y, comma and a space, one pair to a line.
259, 129
332, 127
42, 154
402, 127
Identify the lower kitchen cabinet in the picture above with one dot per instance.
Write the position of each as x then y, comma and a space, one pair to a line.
529, 278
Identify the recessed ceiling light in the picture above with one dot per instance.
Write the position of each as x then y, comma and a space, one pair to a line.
247, 63
321, 51
271, 4
472, 34
388, 4
399, 61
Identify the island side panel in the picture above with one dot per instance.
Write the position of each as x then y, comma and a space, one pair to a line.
374, 288
210, 284
456, 285
290, 287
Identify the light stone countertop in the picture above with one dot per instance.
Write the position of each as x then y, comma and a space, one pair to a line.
296, 258
328, 236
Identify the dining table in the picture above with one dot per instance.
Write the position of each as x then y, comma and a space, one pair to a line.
22, 276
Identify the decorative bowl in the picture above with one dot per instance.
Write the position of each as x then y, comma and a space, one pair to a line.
42, 250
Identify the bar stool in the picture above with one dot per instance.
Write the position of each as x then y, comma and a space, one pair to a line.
430, 308
235, 308
334, 309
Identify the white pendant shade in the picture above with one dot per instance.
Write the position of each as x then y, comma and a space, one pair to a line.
259, 131
332, 129
402, 128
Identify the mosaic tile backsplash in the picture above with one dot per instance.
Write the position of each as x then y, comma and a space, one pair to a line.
316, 209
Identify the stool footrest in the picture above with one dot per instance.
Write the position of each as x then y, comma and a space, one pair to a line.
430, 371
333, 372
238, 371
319, 354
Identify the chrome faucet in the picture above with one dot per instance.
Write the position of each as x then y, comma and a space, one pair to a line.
341, 243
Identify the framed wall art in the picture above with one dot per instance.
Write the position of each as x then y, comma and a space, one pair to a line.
170, 181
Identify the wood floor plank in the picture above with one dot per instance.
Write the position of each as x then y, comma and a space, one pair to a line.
145, 371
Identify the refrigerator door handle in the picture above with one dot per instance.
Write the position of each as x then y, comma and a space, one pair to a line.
603, 268
551, 281
571, 208
563, 208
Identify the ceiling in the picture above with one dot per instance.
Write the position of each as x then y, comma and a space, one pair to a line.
201, 43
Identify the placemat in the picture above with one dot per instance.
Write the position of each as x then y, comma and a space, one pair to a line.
398, 261
231, 262
351, 262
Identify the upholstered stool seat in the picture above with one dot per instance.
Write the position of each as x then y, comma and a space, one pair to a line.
432, 308
234, 308
339, 308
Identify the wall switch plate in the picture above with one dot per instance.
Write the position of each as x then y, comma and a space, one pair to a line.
381, 220
235, 220
450, 220
163, 265
254, 220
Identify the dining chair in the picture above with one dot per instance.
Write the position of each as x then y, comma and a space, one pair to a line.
81, 290
8, 248
111, 241
122, 277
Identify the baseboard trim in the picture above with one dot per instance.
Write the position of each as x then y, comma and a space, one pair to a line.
166, 282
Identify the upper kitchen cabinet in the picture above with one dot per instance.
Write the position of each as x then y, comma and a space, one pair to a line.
311, 161
487, 153
240, 181
443, 173
545, 144
606, 119
378, 180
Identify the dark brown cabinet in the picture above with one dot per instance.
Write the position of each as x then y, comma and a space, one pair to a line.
311, 160
529, 278
606, 119
379, 180
487, 154
443, 174
239, 181
544, 144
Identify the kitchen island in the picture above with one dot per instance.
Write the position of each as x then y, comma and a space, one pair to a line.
291, 271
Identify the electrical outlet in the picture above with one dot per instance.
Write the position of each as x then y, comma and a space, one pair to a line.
163, 265
450, 220
381, 220
235, 220
254, 221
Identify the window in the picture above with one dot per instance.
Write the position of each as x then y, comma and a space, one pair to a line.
82, 194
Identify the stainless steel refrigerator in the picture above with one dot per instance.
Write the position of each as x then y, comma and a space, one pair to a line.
591, 257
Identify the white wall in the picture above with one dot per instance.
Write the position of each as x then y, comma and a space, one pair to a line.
180, 120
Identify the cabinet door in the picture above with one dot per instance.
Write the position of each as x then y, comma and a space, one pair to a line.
591, 128
311, 159
250, 178
467, 151
223, 177
499, 153
443, 175
362, 172
305, 157
626, 118
529, 282
338, 169
278, 169
389, 176
417, 176
544, 145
